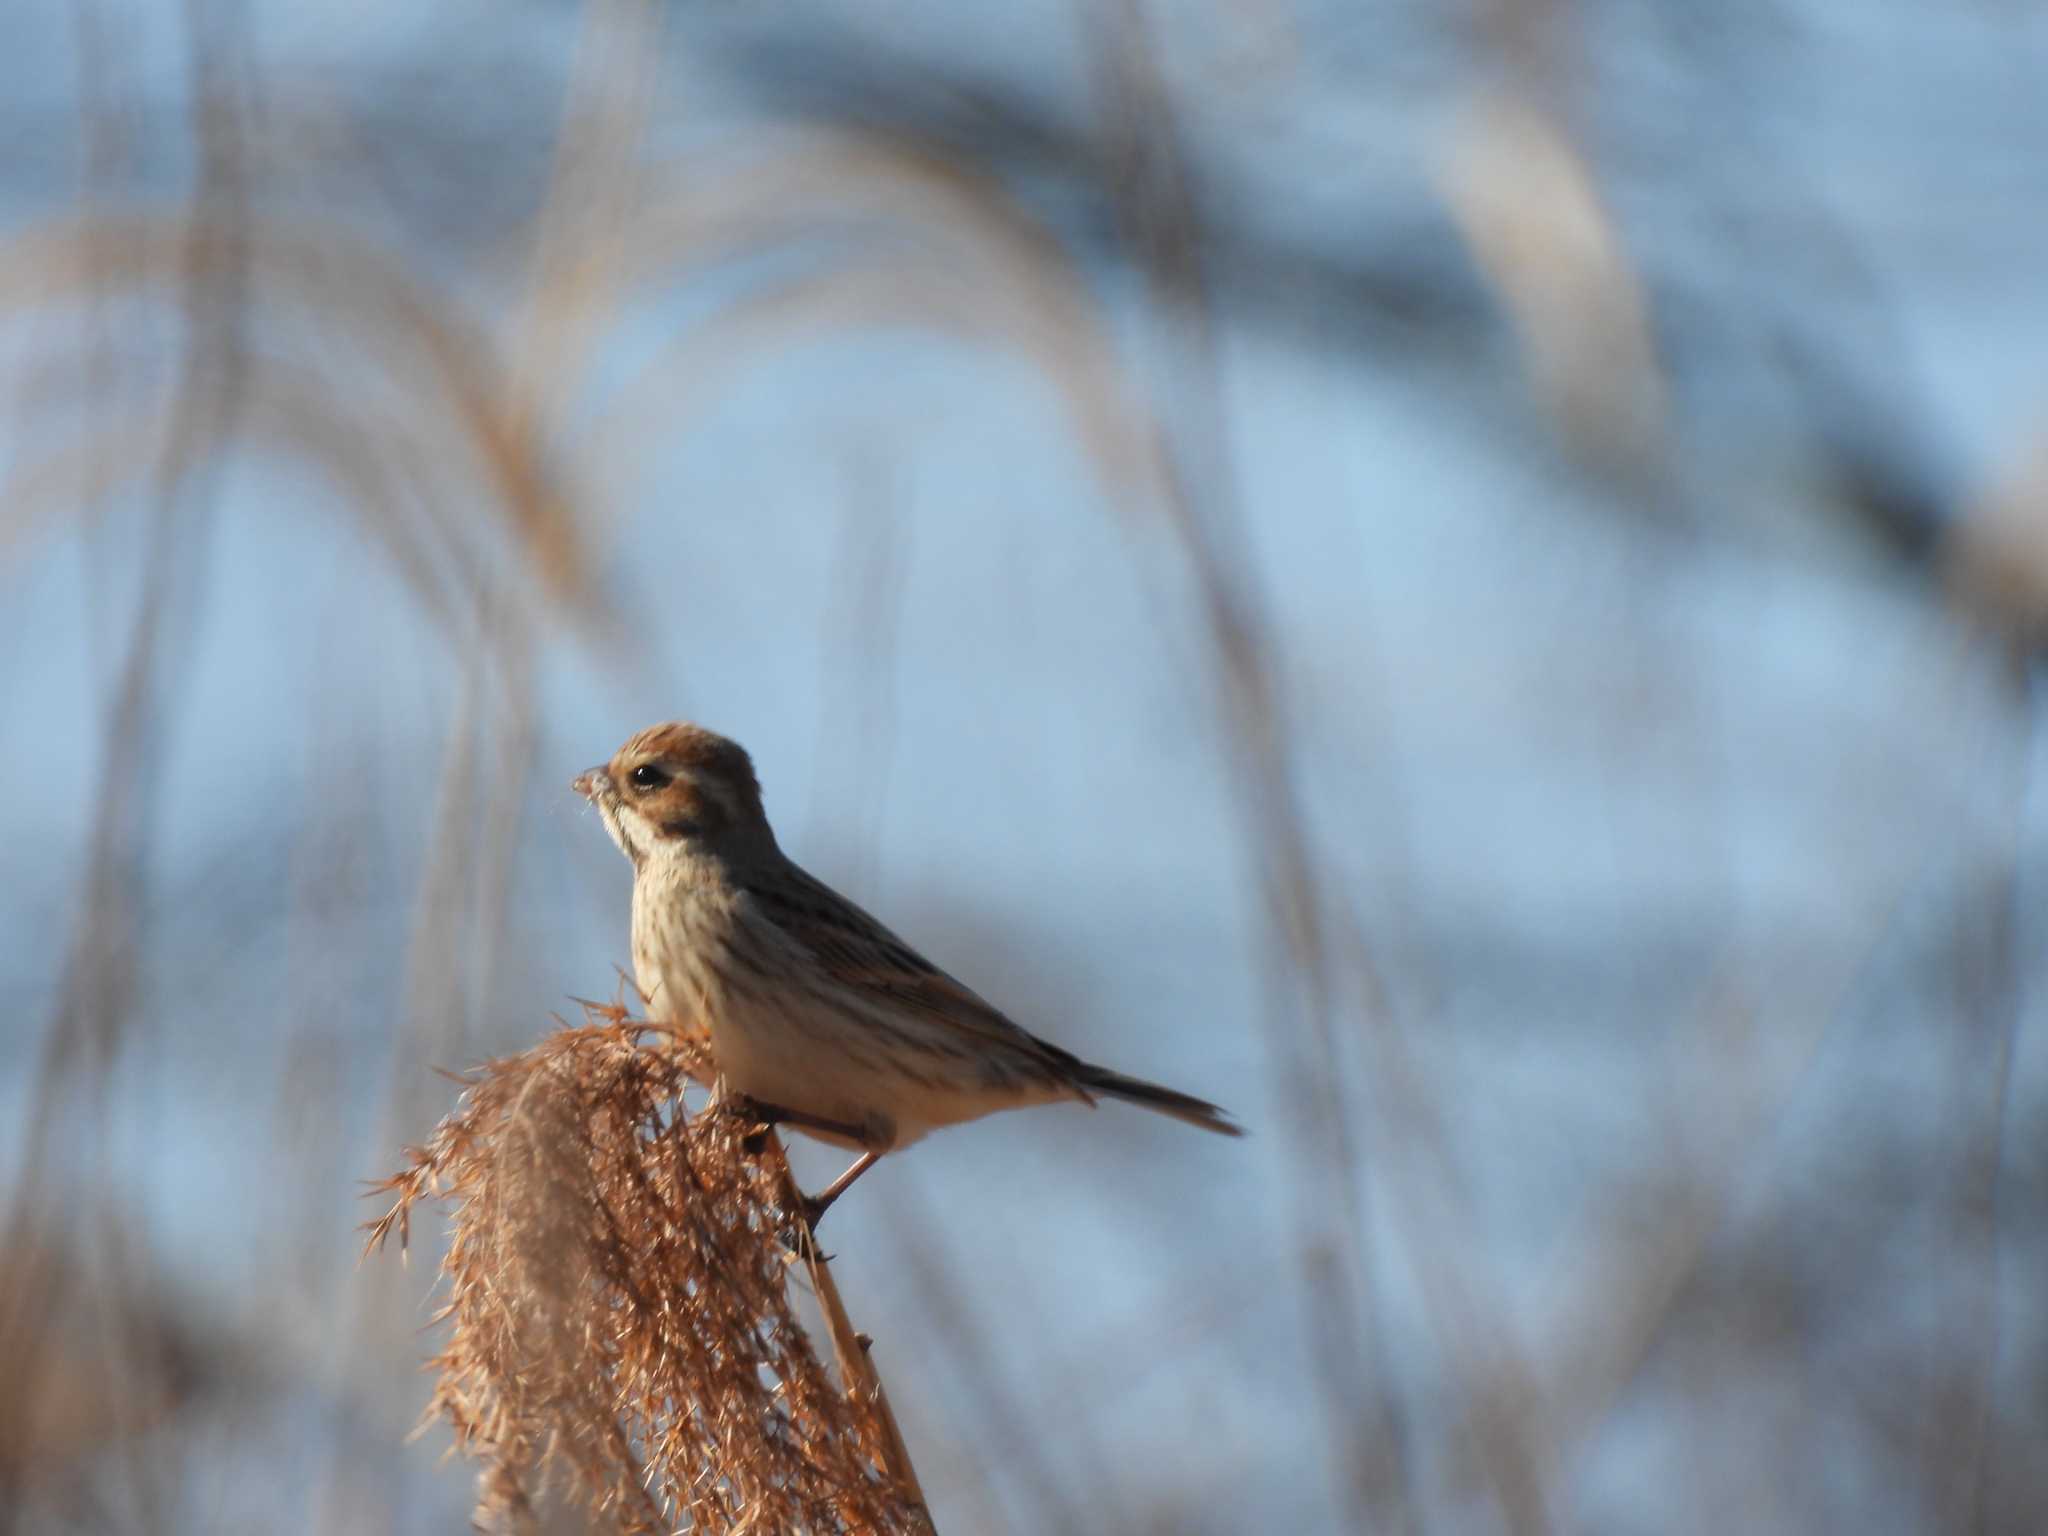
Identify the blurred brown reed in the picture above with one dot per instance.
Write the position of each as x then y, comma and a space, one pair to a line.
452, 434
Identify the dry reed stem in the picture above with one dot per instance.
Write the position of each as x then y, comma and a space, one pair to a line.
1310, 987
849, 1347
933, 244
408, 336
619, 1307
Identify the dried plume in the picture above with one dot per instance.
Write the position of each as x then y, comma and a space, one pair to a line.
620, 1324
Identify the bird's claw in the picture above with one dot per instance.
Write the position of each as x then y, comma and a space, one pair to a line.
800, 1236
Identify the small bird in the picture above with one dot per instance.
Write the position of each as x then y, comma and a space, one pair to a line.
819, 1017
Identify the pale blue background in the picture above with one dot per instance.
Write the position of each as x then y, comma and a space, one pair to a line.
1674, 821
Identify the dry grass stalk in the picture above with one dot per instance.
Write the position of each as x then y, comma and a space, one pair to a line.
619, 1306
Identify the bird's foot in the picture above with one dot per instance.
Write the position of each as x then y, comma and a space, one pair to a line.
813, 1211
799, 1234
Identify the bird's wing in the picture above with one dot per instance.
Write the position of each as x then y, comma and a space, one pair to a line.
856, 951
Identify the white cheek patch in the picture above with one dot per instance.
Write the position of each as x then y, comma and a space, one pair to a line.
615, 822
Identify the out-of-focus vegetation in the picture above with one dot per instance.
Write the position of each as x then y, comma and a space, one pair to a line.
1465, 583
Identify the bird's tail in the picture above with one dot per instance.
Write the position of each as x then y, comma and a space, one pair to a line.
1167, 1101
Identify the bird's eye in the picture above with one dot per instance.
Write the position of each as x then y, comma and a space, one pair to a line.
648, 776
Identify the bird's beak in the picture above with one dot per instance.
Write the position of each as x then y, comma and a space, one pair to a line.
591, 783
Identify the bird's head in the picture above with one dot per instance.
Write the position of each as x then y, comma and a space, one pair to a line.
678, 789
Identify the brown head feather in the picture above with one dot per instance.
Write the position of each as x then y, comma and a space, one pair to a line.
702, 783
